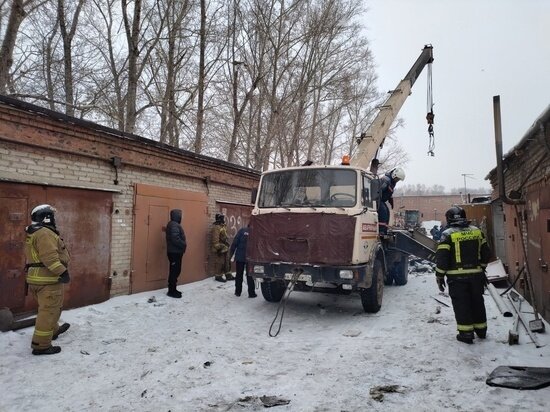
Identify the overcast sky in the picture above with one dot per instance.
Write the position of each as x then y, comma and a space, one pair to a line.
482, 48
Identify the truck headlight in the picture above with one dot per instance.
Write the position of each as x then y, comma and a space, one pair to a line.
259, 269
346, 274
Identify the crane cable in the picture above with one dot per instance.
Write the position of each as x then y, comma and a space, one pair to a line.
430, 116
282, 302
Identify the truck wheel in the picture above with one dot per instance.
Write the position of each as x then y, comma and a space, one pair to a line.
371, 298
274, 290
401, 275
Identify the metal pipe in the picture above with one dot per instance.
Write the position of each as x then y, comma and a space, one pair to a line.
498, 145
499, 301
525, 323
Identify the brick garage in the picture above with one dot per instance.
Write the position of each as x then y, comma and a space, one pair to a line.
42, 148
431, 207
524, 191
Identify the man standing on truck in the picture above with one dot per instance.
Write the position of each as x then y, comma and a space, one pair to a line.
462, 255
387, 185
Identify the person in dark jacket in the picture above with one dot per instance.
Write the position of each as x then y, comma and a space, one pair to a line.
176, 245
47, 262
238, 248
462, 255
436, 234
387, 186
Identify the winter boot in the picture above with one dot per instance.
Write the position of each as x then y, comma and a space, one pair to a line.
62, 329
219, 279
252, 295
481, 333
229, 276
52, 350
174, 293
466, 337
237, 293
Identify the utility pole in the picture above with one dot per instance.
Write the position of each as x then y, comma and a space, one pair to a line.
466, 175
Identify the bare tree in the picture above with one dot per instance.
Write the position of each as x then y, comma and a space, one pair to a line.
201, 79
16, 16
67, 35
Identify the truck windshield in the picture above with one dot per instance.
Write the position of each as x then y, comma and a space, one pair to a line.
309, 187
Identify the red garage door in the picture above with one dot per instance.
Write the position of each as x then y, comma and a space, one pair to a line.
84, 221
152, 213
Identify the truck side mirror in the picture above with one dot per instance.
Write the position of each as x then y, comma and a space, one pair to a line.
375, 189
366, 196
253, 195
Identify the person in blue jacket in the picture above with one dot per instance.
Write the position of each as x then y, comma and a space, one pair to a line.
238, 248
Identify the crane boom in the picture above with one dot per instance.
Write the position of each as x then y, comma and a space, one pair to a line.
373, 138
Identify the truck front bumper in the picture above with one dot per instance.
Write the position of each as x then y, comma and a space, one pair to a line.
356, 275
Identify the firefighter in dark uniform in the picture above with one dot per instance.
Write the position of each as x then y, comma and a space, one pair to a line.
387, 186
462, 255
47, 260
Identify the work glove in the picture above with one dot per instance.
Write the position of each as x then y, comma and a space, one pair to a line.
65, 277
440, 283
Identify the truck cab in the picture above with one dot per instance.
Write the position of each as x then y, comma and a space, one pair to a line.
317, 226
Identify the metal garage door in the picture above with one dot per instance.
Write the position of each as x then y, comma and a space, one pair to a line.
84, 221
152, 213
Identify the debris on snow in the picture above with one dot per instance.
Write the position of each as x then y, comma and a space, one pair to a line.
352, 333
377, 393
269, 401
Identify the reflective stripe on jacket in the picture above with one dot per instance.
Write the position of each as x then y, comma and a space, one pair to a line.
462, 251
45, 247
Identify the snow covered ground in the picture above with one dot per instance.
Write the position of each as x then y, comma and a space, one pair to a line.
210, 351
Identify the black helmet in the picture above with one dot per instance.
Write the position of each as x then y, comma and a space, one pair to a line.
455, 215
220, 218
44, 214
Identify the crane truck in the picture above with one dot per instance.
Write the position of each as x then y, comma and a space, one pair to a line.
315, 227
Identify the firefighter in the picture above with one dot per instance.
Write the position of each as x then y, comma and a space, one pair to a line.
462, 255
47, 260
220, 250
387, 185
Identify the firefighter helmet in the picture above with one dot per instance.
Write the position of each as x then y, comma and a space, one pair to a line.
455, 215
398, 174
220, 218
44, 214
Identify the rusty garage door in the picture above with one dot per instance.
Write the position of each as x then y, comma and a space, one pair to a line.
236, 216
84, 221
152, 213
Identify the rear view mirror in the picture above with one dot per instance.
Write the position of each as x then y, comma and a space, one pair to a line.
375, 189
253, 195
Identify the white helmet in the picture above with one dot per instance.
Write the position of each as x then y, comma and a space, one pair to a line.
398, 174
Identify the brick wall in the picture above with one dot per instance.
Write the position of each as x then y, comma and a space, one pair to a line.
40, 149
430, 207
